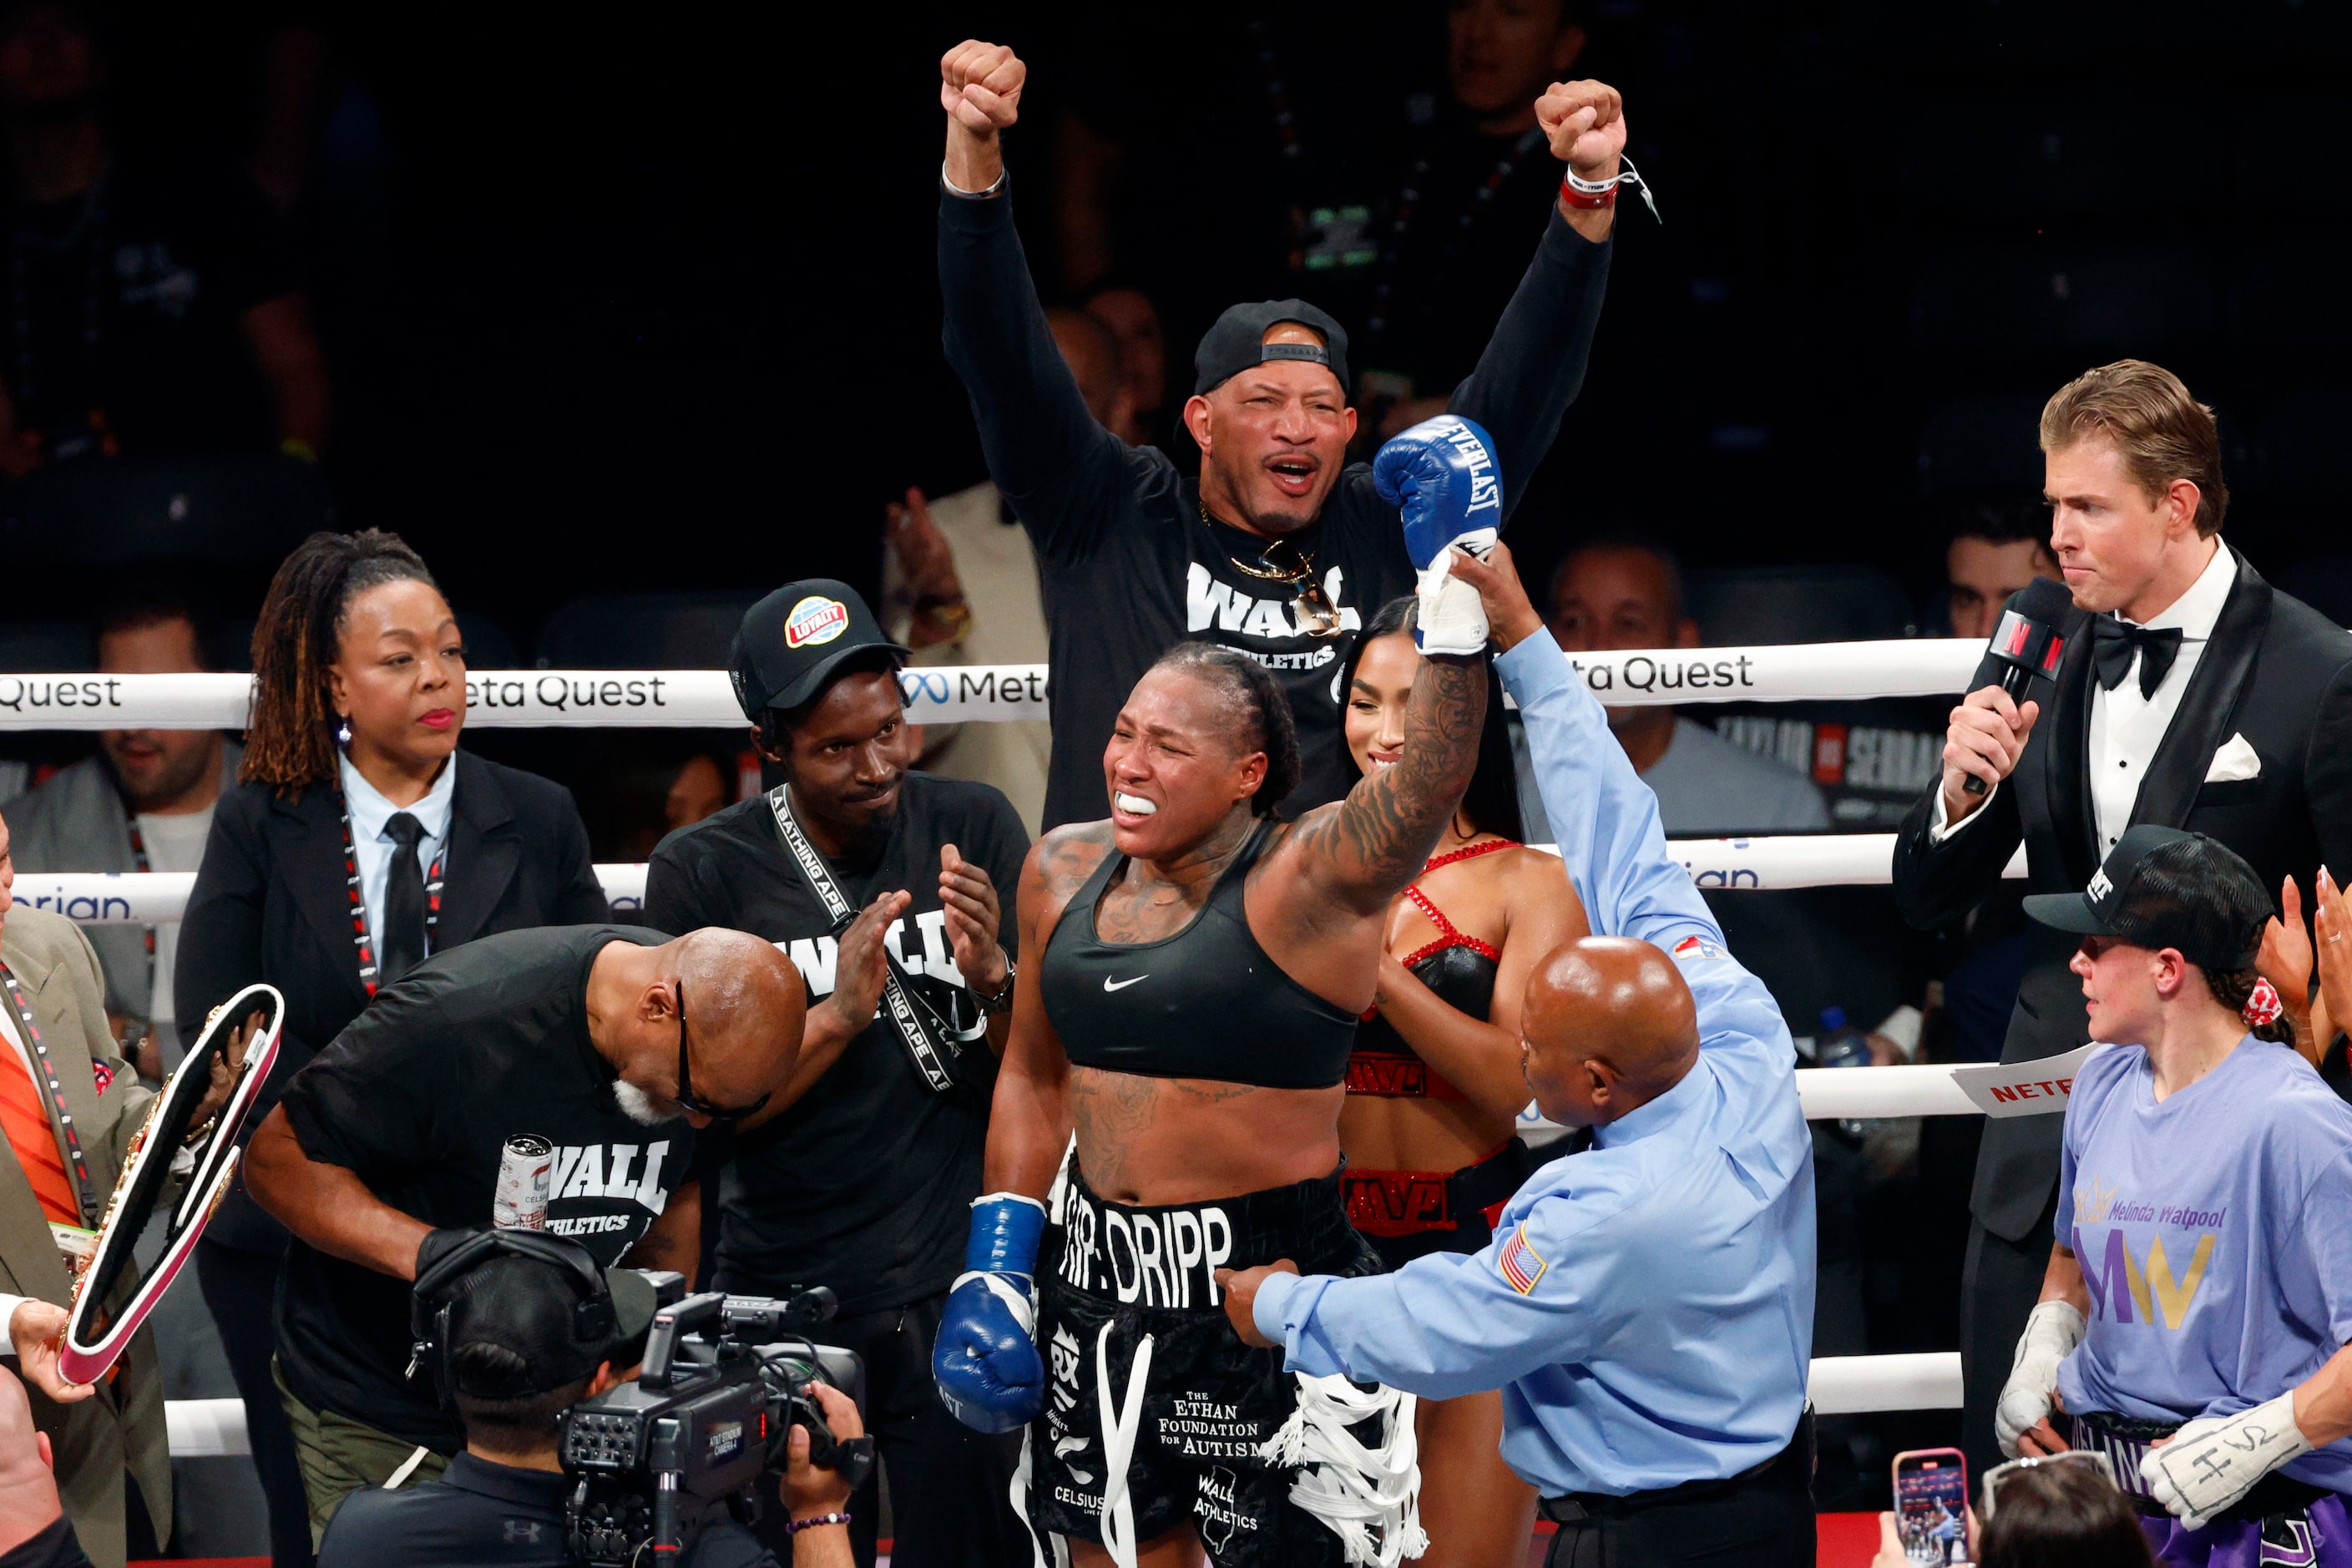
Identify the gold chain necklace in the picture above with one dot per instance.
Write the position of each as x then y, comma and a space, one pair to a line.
1292, 567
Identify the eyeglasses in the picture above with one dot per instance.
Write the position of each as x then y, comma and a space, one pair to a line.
686, 1096
2000, 1473
2097, 947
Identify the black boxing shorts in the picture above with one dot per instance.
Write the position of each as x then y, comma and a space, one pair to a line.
1158, 1416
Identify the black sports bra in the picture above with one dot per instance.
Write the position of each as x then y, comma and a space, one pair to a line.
1205, 1003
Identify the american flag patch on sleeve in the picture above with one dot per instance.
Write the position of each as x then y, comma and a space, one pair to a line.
1520, 1265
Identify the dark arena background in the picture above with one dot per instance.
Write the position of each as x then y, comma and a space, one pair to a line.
628, 315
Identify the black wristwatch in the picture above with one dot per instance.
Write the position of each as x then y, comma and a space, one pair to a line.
1003, 1001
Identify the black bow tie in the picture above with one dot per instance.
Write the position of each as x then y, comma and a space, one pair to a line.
2113, 642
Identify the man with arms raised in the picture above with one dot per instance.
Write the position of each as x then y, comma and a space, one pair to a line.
1200, 966
2190, 695
1279, 549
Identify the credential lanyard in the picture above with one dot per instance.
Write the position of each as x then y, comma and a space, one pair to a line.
20, 1011
920, 1047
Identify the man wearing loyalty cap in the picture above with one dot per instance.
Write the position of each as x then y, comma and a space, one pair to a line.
2197, 1296
887, 887
1280, 545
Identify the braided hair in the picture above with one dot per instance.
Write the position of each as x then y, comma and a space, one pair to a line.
1258, 711
290, 742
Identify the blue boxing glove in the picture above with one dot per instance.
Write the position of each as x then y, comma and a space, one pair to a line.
985, 1358
1448, 489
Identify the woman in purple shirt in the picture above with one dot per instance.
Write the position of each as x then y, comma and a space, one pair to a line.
2199, 1299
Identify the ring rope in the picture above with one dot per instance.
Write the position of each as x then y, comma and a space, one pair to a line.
949, 694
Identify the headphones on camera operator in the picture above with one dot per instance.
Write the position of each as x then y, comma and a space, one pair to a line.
595, 1318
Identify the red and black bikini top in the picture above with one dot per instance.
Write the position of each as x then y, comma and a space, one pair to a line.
1458, 967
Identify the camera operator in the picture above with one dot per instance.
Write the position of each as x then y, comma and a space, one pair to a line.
858, 1175
515, 1362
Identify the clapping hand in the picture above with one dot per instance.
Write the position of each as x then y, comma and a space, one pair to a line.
974, 918
2284, 960
863, 964
2334, 924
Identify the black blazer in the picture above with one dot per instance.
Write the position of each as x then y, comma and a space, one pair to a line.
271, 904
2277, 672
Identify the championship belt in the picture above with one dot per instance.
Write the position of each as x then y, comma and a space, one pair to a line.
939, 1050
95, 1336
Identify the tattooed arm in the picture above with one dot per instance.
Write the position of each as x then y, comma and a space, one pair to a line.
1029, 1120
1362, 852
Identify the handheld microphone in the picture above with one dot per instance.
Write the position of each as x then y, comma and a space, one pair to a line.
2026, 642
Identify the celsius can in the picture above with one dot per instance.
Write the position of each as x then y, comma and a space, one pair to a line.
521, 1200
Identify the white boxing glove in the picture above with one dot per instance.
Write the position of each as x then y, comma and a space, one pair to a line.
1453, 618
2212, 1462
2051, 1332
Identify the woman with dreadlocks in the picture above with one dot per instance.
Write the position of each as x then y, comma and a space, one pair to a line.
359, 841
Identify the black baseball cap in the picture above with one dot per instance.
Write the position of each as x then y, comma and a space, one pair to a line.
792, 641
2163, 887
528, 1305
1238, 341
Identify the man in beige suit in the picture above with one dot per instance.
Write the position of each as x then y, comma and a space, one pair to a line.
53, 989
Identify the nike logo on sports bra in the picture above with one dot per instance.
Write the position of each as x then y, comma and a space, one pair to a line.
1110, 984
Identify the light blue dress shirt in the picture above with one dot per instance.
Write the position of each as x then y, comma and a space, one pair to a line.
374, 847
1647, 1307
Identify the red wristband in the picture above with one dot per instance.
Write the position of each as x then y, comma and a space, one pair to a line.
1577, 198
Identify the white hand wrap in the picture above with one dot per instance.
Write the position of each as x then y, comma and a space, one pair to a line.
2211, 1463
1453, 619
2051, 1332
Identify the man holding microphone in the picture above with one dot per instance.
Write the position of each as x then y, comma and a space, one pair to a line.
1646, 1306
2190, 694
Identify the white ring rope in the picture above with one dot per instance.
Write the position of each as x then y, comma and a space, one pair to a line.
1840, 1385
146, 898
942, 694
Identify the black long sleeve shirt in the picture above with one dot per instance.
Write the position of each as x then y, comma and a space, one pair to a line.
1130, 565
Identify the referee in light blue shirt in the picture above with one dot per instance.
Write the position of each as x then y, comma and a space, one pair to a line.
1647, 1307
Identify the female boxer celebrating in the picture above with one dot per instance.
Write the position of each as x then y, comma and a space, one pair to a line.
1203, 969
1434, 1084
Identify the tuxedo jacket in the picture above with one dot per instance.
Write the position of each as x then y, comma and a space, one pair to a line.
272, 904
2277, 672
119, 1427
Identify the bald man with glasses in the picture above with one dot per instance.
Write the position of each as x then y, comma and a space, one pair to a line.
387, 1149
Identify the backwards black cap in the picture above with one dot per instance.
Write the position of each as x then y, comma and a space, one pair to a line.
1238, 341
532, 1309
2163, 887
792, 641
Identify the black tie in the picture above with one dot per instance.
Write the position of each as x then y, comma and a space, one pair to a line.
404, 902
2113, 642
